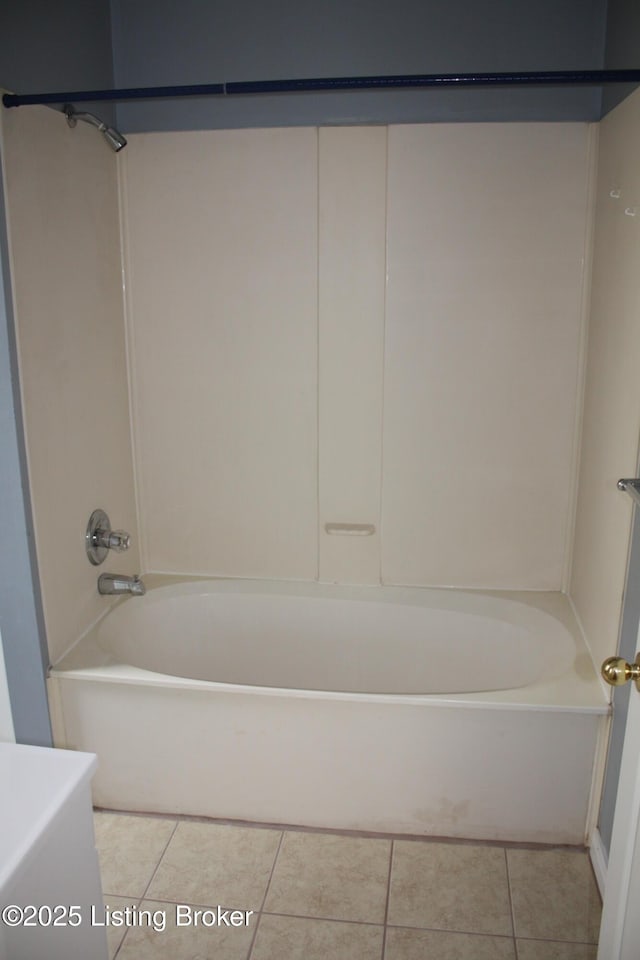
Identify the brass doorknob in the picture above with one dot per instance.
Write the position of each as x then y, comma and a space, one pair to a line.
617, 672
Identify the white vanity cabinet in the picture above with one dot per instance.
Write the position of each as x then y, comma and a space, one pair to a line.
48, 860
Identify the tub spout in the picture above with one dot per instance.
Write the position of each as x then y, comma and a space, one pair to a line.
113, 583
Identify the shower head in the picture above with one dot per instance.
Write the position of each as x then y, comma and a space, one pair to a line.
113, 137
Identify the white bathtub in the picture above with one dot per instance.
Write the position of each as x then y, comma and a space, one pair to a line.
369, 708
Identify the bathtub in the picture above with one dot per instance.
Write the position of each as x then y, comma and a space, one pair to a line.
384, 709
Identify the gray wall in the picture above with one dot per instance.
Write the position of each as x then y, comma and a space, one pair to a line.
622, 47
159, 42
21, 624
52, 45
67, 45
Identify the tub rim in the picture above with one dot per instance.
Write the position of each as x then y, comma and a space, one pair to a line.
576, 690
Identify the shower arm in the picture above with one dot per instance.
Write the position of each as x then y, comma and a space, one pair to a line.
74, 115
632, 487
113, 137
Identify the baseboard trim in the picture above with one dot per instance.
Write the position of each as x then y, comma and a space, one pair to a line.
599, 860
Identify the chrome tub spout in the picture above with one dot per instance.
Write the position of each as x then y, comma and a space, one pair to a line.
114, 583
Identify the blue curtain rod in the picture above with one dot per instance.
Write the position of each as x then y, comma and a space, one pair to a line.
251, 87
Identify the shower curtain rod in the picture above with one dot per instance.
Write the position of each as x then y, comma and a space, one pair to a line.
321, 84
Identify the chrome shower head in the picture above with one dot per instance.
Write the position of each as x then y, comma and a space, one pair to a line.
113, 137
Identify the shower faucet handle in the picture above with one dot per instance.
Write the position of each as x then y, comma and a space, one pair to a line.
100, 538
118, 540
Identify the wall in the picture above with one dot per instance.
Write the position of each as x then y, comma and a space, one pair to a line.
611, 424
486, 230
222, 279
159, 42
622, 50
7, 733
24, 712
62, 212
603, 545
47, 47
445, 414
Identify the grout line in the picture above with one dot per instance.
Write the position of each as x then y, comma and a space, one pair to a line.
192, 902
307, 916
255, 934
137, 902
160, 859
386, 905
272, 871
466, 933
469, 933
576, 943
462, 932
264, 897
511, 910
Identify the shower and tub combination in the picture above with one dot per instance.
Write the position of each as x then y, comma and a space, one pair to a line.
381, 708
387, 709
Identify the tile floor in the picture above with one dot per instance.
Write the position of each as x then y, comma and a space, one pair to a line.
320, 895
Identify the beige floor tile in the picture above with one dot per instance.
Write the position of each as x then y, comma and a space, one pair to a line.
215, 863
186, 942
546, 950
129, 849
554, 895
115, 934
449, 886
330, 876
420, 944
293, 938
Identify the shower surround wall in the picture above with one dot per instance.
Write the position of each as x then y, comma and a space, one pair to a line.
611, 422
428, 385
222, 306
62, 209
355, 325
